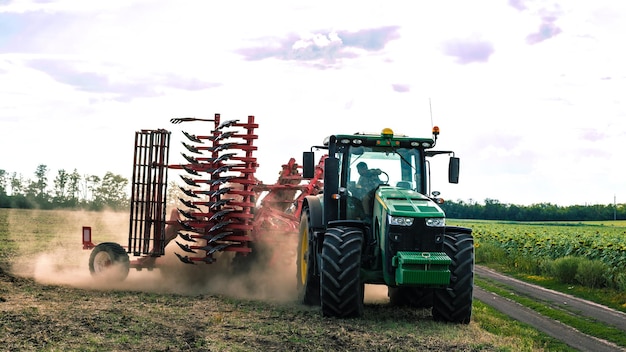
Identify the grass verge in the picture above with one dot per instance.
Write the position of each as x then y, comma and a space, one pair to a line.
583, 324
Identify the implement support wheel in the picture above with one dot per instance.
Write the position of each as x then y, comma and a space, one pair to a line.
109, 261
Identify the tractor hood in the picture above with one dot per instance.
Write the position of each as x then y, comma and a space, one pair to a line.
404, 202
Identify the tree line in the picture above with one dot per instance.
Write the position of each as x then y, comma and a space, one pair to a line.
492, 209
67, 190
75, 191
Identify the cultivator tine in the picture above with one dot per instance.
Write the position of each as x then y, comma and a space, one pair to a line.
220, 225
190, 159
218, 192
186, 237
188, 192
190, 170
217, 237
220, 214
208, 260
222, 169
188, 204
219, 203
223, 157
219, 147
187, 214
212, 249
192, 137
191, 148
226, 124
189, 181
178, 120
185, 247
221, 136
184, 259
185, 225
221, 180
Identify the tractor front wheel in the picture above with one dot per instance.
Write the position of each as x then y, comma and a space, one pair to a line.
109, 261
342, 289
454, 303
308, 281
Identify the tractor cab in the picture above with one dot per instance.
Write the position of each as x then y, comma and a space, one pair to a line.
359, 165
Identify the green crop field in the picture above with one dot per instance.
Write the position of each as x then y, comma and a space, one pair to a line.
534, 247
593, 240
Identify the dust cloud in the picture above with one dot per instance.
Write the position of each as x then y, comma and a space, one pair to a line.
63, 262
274, 280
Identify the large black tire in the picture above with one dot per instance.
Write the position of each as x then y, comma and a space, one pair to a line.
416, 297
454, 303
308, 282
109, 262
342, 290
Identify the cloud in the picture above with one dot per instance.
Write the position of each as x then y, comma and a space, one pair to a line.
468, 50
592, 135
547, 12
547, 29
370, 39
321, 46
114, 80
517, 4
401, 88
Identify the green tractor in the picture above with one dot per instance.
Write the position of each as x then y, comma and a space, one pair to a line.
375, 223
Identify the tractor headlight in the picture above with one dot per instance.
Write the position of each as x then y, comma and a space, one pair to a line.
400, 220
436, 222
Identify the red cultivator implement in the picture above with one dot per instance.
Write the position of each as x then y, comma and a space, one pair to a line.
226, 208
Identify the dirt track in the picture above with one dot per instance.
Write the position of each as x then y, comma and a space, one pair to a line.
567, 334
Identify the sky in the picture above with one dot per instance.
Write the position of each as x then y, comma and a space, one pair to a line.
529, 94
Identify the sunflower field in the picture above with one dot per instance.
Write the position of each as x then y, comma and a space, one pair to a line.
534, 247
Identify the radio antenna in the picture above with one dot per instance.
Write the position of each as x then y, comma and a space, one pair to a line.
430, 106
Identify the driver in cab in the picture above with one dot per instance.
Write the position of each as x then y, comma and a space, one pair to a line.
367, 184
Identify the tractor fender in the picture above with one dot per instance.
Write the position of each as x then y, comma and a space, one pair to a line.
314, 204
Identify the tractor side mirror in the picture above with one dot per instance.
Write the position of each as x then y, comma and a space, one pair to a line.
308, 165
453, 170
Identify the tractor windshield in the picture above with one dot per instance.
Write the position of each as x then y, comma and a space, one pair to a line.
370, 166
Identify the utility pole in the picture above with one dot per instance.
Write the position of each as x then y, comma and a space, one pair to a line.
614, 207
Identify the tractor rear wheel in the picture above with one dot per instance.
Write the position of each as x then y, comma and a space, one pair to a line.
109, 261
416, 297
308, 282
342, 290
454, 303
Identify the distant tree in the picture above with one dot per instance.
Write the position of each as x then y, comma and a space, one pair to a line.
91, 185
3, 182
60, 187
4, 198
111, 192
73, 188
41, 182
17, 184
